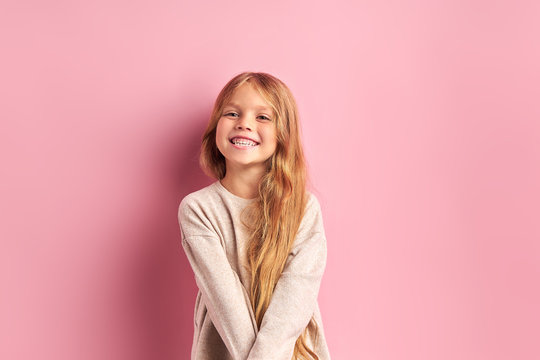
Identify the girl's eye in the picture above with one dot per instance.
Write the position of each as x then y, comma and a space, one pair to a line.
233, 114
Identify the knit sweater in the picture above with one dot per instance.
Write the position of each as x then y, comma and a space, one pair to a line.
214, 241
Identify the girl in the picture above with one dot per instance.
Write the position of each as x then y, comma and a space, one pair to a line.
255, 237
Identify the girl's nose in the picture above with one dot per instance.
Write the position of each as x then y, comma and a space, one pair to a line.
244, 123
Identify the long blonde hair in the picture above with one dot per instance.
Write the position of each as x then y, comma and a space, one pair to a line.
274, 218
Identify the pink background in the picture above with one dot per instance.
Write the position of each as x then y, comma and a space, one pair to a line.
420, 124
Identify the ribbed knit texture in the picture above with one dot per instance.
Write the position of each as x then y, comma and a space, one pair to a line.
214, 241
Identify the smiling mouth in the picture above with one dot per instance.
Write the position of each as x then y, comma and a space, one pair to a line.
243, 143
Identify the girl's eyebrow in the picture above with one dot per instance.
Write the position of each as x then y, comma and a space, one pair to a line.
260, 107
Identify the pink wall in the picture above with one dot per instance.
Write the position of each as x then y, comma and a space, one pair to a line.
421, 127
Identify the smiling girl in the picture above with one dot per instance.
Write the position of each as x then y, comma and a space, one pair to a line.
255, 237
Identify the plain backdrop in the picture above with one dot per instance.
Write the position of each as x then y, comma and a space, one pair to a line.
421, 127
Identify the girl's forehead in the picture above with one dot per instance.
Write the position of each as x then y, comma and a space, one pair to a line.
255, 107
242, 96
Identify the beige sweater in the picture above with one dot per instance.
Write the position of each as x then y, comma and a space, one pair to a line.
214, 241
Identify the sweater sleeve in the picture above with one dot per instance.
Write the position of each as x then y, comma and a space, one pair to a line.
225, 297
295, 295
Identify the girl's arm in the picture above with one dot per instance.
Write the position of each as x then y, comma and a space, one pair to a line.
294, 298
295, 295
223, 294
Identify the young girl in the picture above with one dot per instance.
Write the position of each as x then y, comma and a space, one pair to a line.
255, 237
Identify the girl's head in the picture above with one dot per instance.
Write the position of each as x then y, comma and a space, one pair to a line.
247, 116
258, 106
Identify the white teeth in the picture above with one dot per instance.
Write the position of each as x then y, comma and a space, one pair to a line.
244, 142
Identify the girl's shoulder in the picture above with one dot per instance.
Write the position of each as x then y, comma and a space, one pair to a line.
212, 199
199, 211
312, 221
198, 198
313, 204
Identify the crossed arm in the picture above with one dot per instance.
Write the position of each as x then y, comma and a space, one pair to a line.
227, 300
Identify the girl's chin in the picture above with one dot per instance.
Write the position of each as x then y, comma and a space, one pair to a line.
237, 162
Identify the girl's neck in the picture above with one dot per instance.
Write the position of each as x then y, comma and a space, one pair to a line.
244, 184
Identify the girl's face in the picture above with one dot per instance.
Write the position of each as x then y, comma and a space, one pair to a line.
246, 130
